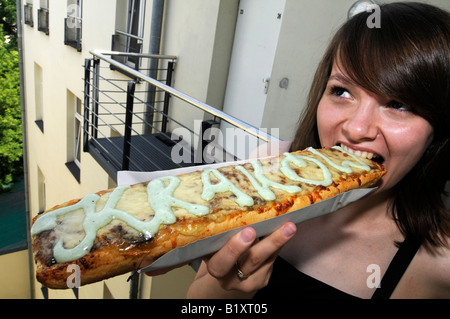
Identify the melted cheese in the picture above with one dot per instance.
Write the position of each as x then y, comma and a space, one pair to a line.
130, 213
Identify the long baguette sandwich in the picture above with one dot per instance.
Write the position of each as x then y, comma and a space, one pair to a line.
109, 233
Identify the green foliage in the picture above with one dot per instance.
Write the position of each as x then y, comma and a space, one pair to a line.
10, 114
9, 22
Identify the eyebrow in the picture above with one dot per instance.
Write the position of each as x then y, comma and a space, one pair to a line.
341, 78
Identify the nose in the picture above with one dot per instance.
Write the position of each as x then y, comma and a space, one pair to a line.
361, 123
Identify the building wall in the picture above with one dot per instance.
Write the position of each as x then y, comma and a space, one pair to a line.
203, 50
307, 28
305, 32
54, 75
60, 66
14, 276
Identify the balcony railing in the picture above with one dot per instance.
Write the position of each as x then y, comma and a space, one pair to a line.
144, 124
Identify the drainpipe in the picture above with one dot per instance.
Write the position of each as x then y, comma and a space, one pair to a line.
155, 45
24, 142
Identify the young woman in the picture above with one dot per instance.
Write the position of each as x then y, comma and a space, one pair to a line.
383, 93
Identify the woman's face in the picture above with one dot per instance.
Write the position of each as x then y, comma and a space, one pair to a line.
371, 126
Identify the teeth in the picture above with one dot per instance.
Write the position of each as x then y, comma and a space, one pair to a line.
362, 154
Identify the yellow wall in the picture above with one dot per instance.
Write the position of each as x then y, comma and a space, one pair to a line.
62, 77
15, 276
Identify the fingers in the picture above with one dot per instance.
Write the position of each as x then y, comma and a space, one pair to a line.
265, 251
253, 259
219, 264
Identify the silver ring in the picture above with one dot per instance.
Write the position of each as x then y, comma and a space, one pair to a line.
240, 274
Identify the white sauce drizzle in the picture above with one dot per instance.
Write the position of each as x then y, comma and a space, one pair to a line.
300, 161
263, 189
160, 196
224, 185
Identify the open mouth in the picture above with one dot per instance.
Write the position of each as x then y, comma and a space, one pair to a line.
364, 154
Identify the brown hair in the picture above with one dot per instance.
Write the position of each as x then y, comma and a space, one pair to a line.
408, 60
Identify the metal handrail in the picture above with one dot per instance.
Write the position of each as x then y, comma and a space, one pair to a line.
100, 54
130, 35
138, 55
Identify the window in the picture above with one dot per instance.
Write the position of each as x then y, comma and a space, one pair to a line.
43, 17
28, 14
78, 132
41, 191
129, 36
135, 24
135, 27
38, 97
72, 24
74, 134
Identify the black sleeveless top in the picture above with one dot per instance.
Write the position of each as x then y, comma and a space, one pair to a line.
285, 277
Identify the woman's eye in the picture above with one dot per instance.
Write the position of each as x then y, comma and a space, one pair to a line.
340, 92
399, 106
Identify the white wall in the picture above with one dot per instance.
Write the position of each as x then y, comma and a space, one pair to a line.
200, 33
307, 28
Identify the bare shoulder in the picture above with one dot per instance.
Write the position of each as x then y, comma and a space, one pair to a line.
435, 270
427, 277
